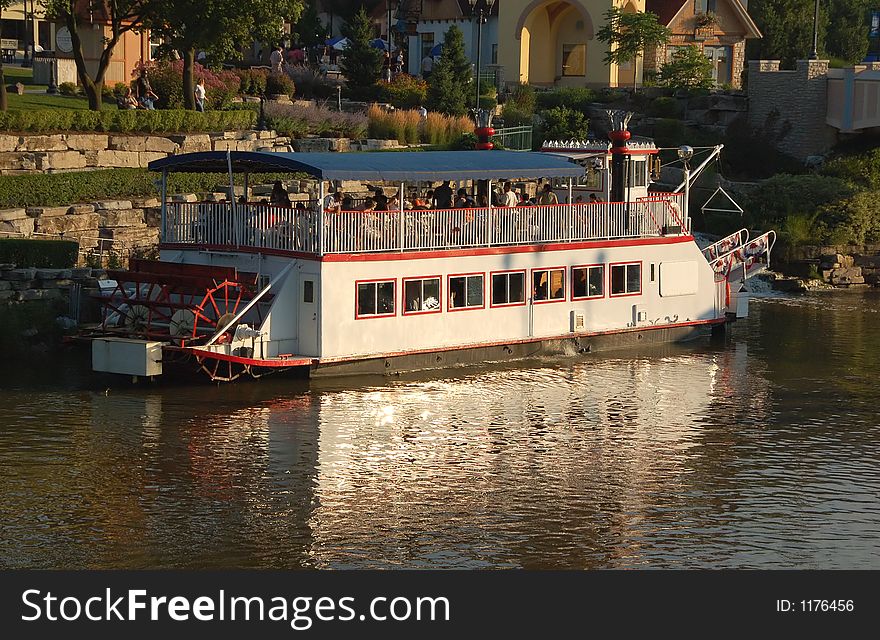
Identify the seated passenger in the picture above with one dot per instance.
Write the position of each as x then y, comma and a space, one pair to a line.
279, 195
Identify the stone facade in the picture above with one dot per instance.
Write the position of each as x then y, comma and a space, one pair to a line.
30, 285
795, 101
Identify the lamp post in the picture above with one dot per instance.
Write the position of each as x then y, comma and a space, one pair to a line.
814, 54
482, 18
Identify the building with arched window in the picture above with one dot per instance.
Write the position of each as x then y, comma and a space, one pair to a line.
553, 42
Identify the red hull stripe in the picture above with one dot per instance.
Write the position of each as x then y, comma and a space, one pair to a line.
446, 253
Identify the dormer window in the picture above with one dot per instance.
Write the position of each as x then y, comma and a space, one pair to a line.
704, 6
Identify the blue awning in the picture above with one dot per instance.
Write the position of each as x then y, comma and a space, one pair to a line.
404, 166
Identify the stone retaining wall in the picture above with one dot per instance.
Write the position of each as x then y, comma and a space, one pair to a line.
29, 284
82, 151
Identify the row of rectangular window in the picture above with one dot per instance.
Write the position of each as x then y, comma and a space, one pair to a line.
376, 298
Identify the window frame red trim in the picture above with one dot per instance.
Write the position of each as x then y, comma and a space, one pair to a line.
449, 277
403, 281
587, 266
611, 265
508, 304
564, 297
372, 316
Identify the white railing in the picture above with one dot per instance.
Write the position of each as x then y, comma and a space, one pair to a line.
283, 228
726, 244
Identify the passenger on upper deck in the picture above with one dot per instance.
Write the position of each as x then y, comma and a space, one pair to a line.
510, 199
333, 202
443, 196
547, 196
279, 195
463, 200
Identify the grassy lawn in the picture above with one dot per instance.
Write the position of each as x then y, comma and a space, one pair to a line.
14, 73
46, 101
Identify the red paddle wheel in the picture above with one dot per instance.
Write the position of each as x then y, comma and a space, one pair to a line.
181, 303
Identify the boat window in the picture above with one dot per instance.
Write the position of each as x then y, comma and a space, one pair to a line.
308, 291
465, 291
421, 296
375, 299
637, 173
508, 288
548, 284
588, 282
626, 279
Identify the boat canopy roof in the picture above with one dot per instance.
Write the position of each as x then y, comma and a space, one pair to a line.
403, 166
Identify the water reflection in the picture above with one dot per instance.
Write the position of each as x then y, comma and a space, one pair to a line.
760, 452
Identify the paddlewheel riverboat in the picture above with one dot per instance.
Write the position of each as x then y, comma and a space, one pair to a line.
253, 288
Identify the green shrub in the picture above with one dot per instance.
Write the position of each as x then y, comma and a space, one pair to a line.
488, 102
46, 254
664, 107
562, 123
577, 98
523, 99
48, 190
854, 220
252, 82
688, 69
279, 84
166, 79
786, 195
406, 91
68, 89
135, 121
861, 170
312, 83
514, 116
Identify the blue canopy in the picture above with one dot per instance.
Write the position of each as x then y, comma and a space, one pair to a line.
436, 50
404, 166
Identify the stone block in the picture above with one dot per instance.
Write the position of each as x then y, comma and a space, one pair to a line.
87, 141
184, 197
5, 286
79, 209
80, 272
12, 214
122, 218
22, 226
18, 162
146, 157
54, 142
192, 142
847, 275
116, 158
871, 262
38, 294
158, 144
46, 212
152, 216
6, 295
144, 203
128, 143
66, 224
22, 285
112, 205
47, 274
65, 160
8, 143
311, 145
20, 275
340, 145
225, 145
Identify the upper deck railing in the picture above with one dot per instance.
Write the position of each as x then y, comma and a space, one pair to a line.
262, 226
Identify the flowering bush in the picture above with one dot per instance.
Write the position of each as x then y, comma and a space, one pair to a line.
297, 121
166, 79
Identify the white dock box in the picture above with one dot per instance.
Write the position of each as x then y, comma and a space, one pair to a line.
127, 356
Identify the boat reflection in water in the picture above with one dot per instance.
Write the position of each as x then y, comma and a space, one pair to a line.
590, 465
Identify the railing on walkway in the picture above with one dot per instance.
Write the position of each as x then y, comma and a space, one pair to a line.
263, 226
514, 138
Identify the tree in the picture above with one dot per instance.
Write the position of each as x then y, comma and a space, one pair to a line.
688, 69
362, 63
119, 16
847, 30
309, 28
628, 34
787, 28
218, 27
562, 123
450, 82
4, 103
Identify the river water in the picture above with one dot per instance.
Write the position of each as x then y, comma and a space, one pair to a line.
760, 451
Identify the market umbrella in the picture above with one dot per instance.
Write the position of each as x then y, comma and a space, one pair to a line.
437, 50
338, 43
379, 43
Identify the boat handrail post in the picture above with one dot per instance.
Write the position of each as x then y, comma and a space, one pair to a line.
489, 214
320, 217
570, 205
400, 225
163, 194
232, 207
